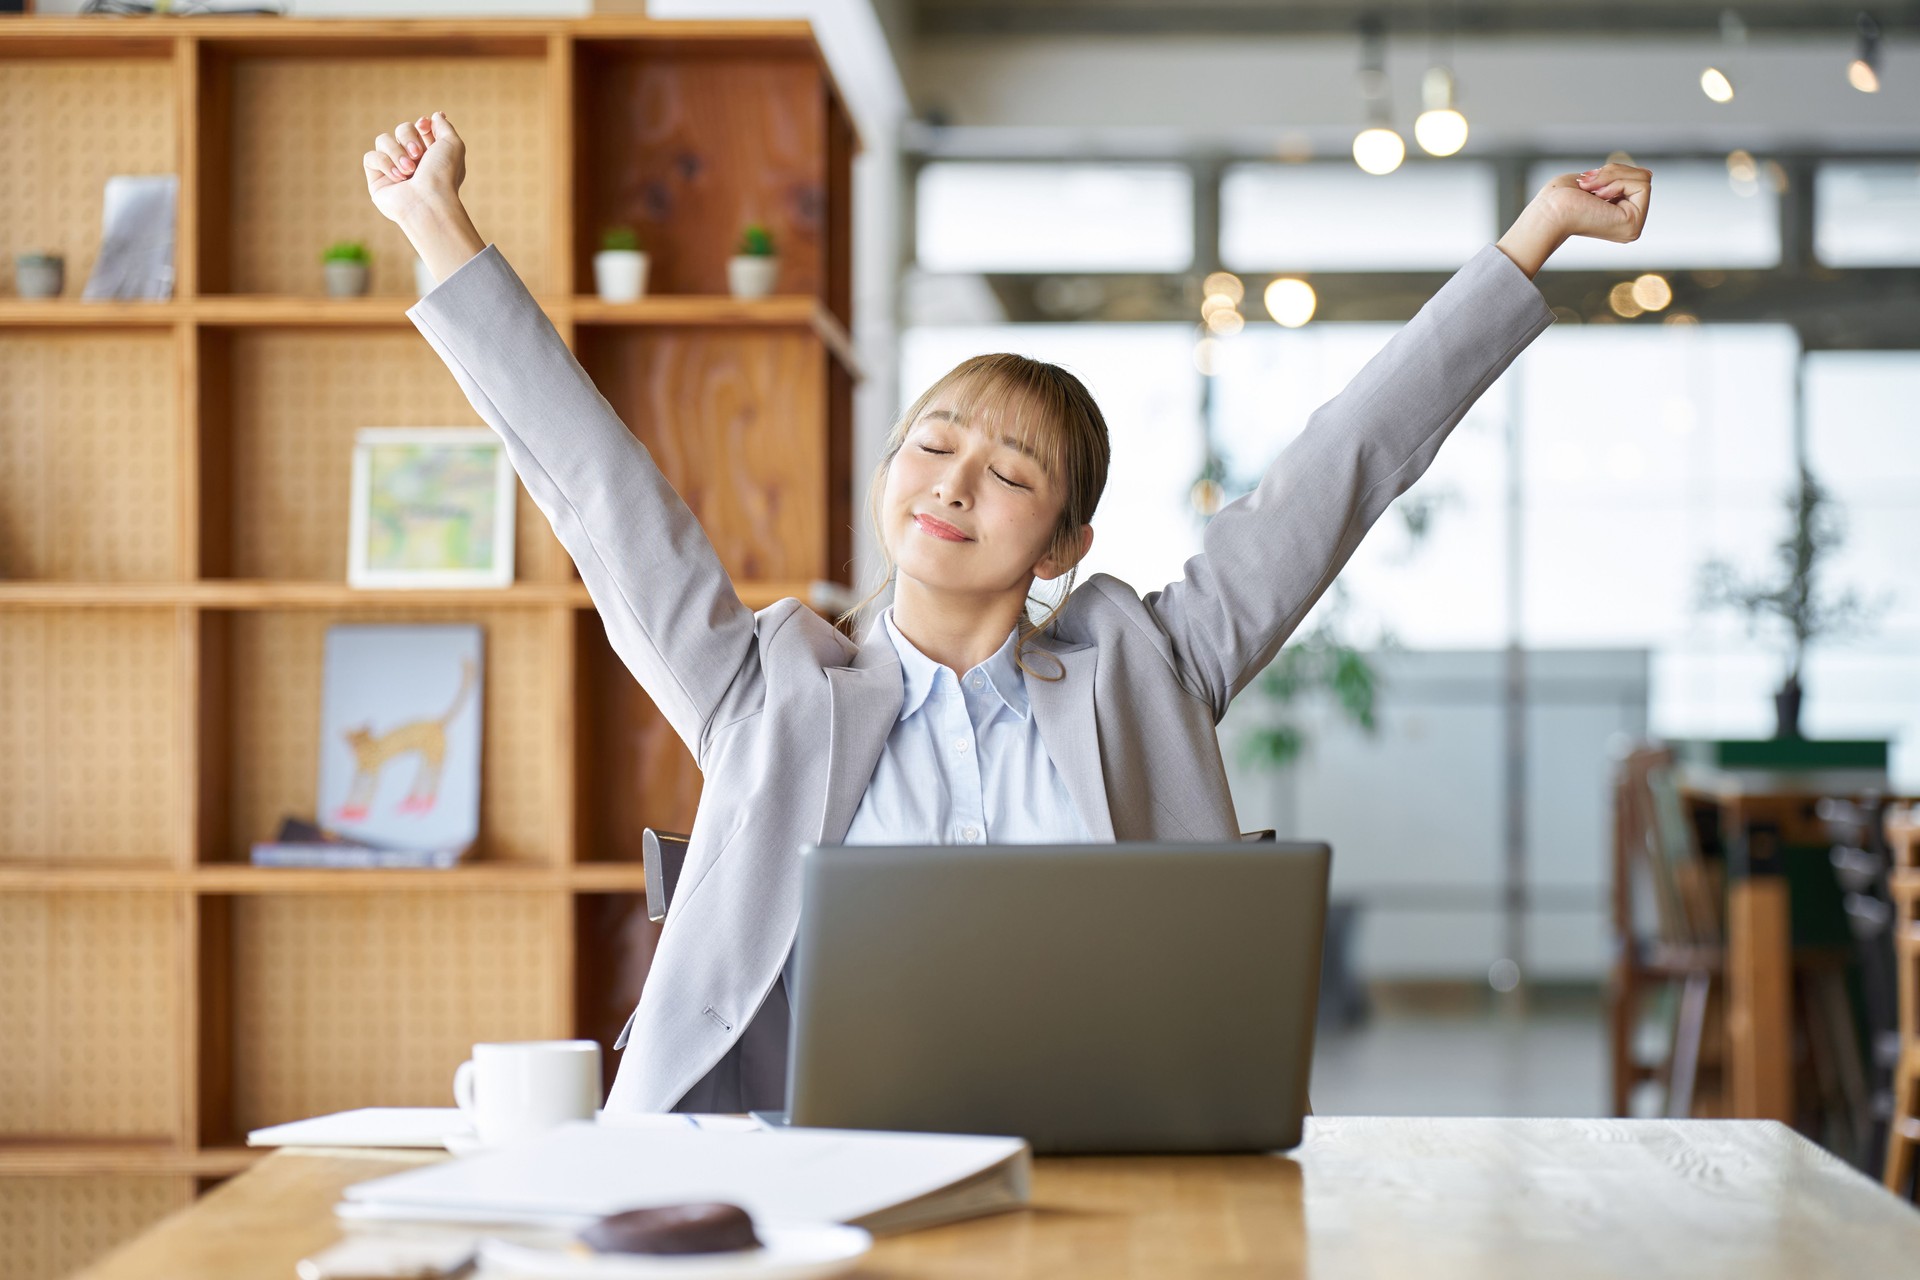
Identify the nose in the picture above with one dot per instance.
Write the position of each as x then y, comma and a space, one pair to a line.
954, 486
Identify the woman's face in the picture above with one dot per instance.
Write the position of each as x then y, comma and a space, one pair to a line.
965, 508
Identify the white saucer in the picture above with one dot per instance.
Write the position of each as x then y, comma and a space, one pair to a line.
789, 1253
463, 1142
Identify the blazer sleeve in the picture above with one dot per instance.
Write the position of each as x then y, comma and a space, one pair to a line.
669, 608
1268, 556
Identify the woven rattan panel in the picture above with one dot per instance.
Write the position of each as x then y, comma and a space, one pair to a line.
359, 1000
298, 399
87, 745
89, 479
276, 673
51, 1227
87, 1014
55, 157
297, 178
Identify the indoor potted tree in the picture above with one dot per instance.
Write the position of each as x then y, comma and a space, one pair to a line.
620, 268
754, 266
345, 263
39, 275
1791, 596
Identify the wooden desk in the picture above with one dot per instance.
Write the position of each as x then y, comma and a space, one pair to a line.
1361, 1198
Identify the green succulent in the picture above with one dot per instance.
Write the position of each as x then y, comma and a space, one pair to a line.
756, 242
620, 240
347, 251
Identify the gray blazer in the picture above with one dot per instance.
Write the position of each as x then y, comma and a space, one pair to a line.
1131, 726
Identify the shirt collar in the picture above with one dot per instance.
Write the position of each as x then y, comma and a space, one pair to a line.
918, 671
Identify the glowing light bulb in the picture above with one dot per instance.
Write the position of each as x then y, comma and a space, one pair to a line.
1652, 292
1714, 83
1378, 150
1442, 132
1621, 299
1226, 284
1291, 302
1862, 76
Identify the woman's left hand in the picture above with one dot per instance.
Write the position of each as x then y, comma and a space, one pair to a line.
1608, 203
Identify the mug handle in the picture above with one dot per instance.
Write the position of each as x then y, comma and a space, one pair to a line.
463, 1091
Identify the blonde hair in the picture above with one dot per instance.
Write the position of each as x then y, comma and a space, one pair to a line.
1047, 410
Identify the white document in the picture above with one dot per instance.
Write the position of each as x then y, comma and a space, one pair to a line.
581, 1171
368, 1127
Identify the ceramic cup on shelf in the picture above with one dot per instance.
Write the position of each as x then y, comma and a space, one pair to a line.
346, 279
514, 1089
752, 275
620, 275
39, 275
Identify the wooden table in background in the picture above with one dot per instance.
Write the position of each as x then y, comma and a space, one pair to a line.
1361, 1198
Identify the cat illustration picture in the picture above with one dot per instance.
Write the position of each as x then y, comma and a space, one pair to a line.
425, 741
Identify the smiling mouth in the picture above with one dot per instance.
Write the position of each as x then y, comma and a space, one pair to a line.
940, 529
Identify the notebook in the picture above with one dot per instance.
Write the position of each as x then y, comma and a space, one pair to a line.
581, 1171
368, 1127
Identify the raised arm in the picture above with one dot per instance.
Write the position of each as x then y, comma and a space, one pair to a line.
669, 608
1267, 557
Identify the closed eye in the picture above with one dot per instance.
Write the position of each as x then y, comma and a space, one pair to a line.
1011, 483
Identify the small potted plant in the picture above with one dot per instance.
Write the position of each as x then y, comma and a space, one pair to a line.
345, 263
620, 268
39, 275
754, 266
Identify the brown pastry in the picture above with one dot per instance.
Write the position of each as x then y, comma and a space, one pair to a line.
674, 1228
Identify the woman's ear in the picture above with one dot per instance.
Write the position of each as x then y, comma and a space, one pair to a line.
1050, 568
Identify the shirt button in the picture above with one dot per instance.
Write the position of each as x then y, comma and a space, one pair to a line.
971, 833
959, 744
979, 684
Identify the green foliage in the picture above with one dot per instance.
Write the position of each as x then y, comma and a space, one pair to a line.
1321, 660
1790, 598
347, 251
620, 240
756, 242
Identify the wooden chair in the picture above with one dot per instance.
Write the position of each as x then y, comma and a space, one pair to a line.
1657, 857
1903, 886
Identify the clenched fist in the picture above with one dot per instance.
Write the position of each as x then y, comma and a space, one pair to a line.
421, 162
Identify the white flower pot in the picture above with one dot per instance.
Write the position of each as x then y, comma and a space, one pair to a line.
39, 277
346, 279
423, 280
620, 275
751, 276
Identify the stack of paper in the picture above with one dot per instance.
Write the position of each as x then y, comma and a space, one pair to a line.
581, 1171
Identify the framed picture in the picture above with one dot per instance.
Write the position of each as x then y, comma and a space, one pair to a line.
432, 507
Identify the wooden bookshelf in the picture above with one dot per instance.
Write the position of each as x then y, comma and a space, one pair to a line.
173, 529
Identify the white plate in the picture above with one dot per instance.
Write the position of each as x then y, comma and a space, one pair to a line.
462, 1142
789, 1253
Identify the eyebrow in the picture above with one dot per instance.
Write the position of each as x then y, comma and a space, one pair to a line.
1011, 442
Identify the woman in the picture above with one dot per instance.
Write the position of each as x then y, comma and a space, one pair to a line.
955, 719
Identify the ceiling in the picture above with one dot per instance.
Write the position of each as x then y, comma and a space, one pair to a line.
933, 19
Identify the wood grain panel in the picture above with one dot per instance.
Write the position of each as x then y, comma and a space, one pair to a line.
87, 724
736, 421
56, 157
274, 681
353, 1000
89, 454
634, 772
86, 983
296, 180
294, 401
51, 1227
691, 149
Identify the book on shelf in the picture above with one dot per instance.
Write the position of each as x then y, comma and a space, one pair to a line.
306, 844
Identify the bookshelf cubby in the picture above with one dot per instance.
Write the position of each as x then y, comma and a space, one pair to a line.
174, 498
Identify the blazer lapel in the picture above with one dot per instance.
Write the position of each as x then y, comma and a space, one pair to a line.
1063, 710
865, 701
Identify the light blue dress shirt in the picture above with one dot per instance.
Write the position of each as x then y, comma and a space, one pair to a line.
963, 764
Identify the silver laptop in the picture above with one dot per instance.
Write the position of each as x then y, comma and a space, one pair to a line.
1089, 998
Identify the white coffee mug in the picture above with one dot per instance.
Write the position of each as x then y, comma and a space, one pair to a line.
518, 1088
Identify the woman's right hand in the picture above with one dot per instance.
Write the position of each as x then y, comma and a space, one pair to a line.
421, 163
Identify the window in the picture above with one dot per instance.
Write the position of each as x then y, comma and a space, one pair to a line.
1867, 214
1333, 217
1054, 217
